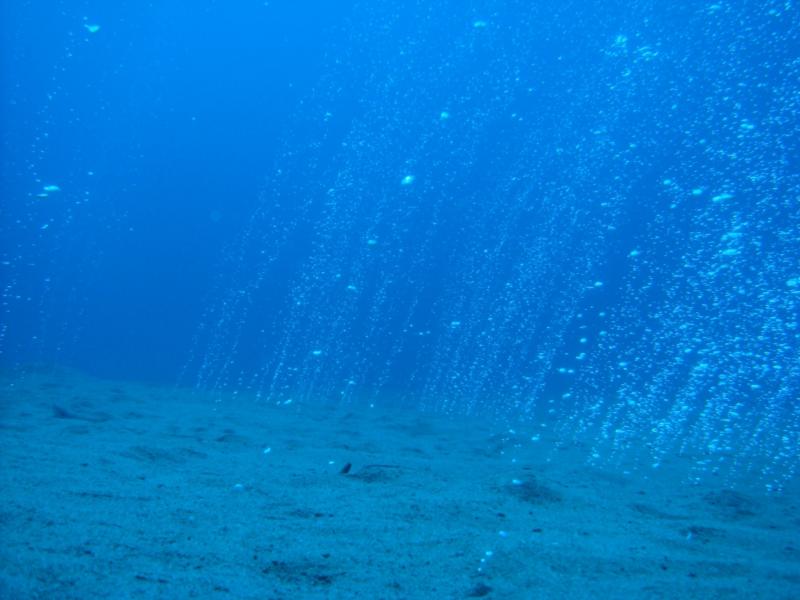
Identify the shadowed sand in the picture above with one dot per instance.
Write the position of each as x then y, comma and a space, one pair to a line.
119, 490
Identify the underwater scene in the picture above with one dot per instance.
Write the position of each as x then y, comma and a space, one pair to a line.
400, 299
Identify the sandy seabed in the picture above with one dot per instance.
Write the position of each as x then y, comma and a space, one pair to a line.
120, 490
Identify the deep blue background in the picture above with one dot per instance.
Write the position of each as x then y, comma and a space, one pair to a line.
600, 234
178, 108
242, 154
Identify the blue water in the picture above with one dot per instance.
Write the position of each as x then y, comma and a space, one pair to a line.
583, 215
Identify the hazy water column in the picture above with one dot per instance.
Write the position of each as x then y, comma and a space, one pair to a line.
49, 164
701, 350
579, 215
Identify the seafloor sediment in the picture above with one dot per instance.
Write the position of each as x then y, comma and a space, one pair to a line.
119, 490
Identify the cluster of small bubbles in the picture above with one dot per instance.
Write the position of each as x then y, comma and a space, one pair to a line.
531, 252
